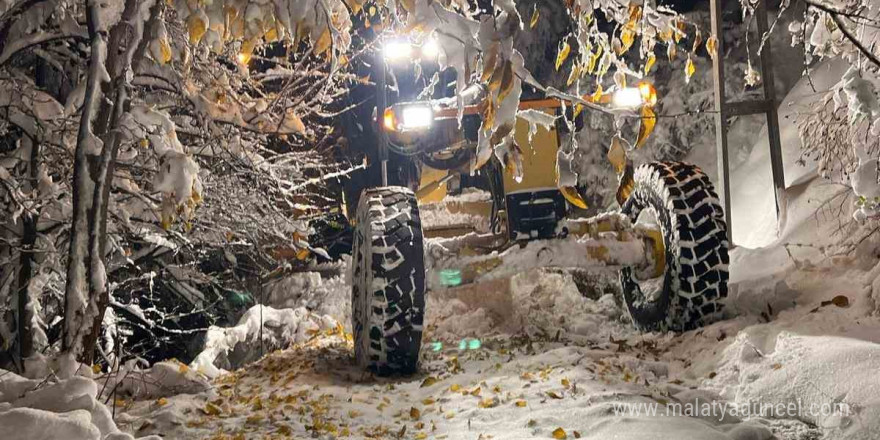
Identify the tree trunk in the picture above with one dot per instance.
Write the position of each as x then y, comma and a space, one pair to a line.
120, 64
78, 306
100, 172
25, 269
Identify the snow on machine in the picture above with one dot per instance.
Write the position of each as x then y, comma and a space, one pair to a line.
667, 242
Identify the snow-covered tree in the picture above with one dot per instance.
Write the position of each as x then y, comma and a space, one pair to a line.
134, 99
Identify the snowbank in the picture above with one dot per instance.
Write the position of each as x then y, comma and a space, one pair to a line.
827, 381
281, 327
66, 409
538, 303
163, 379
316, 291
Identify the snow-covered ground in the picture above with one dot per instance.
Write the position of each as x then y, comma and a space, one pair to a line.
795, 362
531, 357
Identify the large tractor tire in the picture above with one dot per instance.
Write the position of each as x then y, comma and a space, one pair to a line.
388, 281
684, 204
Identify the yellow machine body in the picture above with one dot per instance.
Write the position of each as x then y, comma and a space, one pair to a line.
538, 159
538, 163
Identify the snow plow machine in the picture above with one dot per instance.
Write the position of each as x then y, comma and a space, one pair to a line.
667, 242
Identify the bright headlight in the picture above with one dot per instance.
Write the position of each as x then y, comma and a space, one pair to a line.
396, 50
628, 97
631, 97
430, 48
414, 117
408, 117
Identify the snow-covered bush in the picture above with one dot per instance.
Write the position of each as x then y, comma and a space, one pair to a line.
840, 132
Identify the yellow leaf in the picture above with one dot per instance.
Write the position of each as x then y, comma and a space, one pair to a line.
594, 58
420, 436
575, 73
476, 391
559, 434
488, 403
681, 26
565, 382
564, 51
302, 254
164, 51
211, 409
323, 44
455, 388
161, 401
285, 430
166, 221
649, 63
414, 413
627, 37
488, 116
535, 15
182, 368
428, 401
571, 194
617, 155
489, 62
698, 40
646, 126
840, 301
496, 79
96, 369
520, 403
635, 14
271, 35
554, 395
196, 28
246, 51
712, 46
597, 95
626, 184
689, 70
430, 380
507, 78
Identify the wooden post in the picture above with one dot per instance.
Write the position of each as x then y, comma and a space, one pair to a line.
772, 116
725, 109
721, 117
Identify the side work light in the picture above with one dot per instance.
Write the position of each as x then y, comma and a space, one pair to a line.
632, 97
408, 117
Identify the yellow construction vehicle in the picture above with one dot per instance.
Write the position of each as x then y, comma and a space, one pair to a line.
667, 241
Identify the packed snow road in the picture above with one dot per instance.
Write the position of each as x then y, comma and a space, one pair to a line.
533, 358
